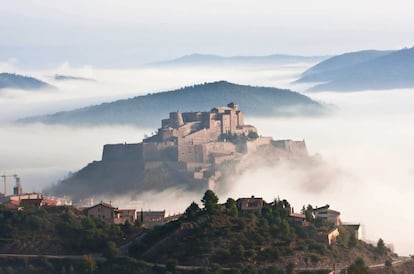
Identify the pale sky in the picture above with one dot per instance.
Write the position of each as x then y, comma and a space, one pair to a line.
128, 33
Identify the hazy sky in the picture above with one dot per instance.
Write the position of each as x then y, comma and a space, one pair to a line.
127, 33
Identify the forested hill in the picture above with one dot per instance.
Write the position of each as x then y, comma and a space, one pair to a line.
16, 81
261, 241
148, 110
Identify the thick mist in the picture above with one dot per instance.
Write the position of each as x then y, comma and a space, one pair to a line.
110, 84
366, 149
369, 163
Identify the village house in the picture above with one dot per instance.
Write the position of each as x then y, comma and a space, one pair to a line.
125, 215
153, 217
356, 229
38, 202
102, 211
325, 213
332, 235
297, 218
251, 204
111, 214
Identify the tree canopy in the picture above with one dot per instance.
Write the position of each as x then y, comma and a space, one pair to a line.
210, 201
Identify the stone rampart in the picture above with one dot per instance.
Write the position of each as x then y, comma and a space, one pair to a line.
122, 152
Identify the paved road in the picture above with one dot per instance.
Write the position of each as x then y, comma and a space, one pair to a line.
396, 262
98, 257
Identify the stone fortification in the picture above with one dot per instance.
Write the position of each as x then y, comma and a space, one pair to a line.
122, 152
297, 148
201, 142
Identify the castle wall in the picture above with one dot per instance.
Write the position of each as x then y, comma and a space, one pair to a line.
233, 121
220, 147
153, 152
190, 166
176, 119
122, 152
166, 133
240, 118
152, 165
187, 129
201, 153
245, 129
191, 153
253, 145
192, 117
202, 136
225, 123
297, 148
218, 159
208, 119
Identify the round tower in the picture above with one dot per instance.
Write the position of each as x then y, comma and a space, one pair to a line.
176, 119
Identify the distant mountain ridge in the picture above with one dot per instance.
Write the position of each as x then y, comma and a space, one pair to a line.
363, 70
16, 81
210, 59
61, 77
148, 110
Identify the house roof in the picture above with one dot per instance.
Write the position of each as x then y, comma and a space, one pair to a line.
352, 226
321, 208
101, 204
250, 199
297, 215
153, 213
334, 211
35, 202
49, 202
326, 207
12, 204
126, 210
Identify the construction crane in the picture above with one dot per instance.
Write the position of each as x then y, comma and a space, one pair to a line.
5, 176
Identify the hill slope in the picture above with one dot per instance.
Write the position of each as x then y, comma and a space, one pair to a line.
15, 81
225, 235
149, 109
209, 59
363, 71
335, 66
61, 77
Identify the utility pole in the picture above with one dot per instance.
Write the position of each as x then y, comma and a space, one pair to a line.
4, 176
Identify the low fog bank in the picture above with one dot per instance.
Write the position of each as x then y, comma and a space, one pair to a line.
43, 154
369, 163
111, 85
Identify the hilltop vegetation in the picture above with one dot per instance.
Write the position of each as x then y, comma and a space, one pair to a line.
56, 230
217, 238
149, 109
16, 81
224, 236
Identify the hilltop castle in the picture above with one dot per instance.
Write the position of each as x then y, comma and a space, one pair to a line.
203, 144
